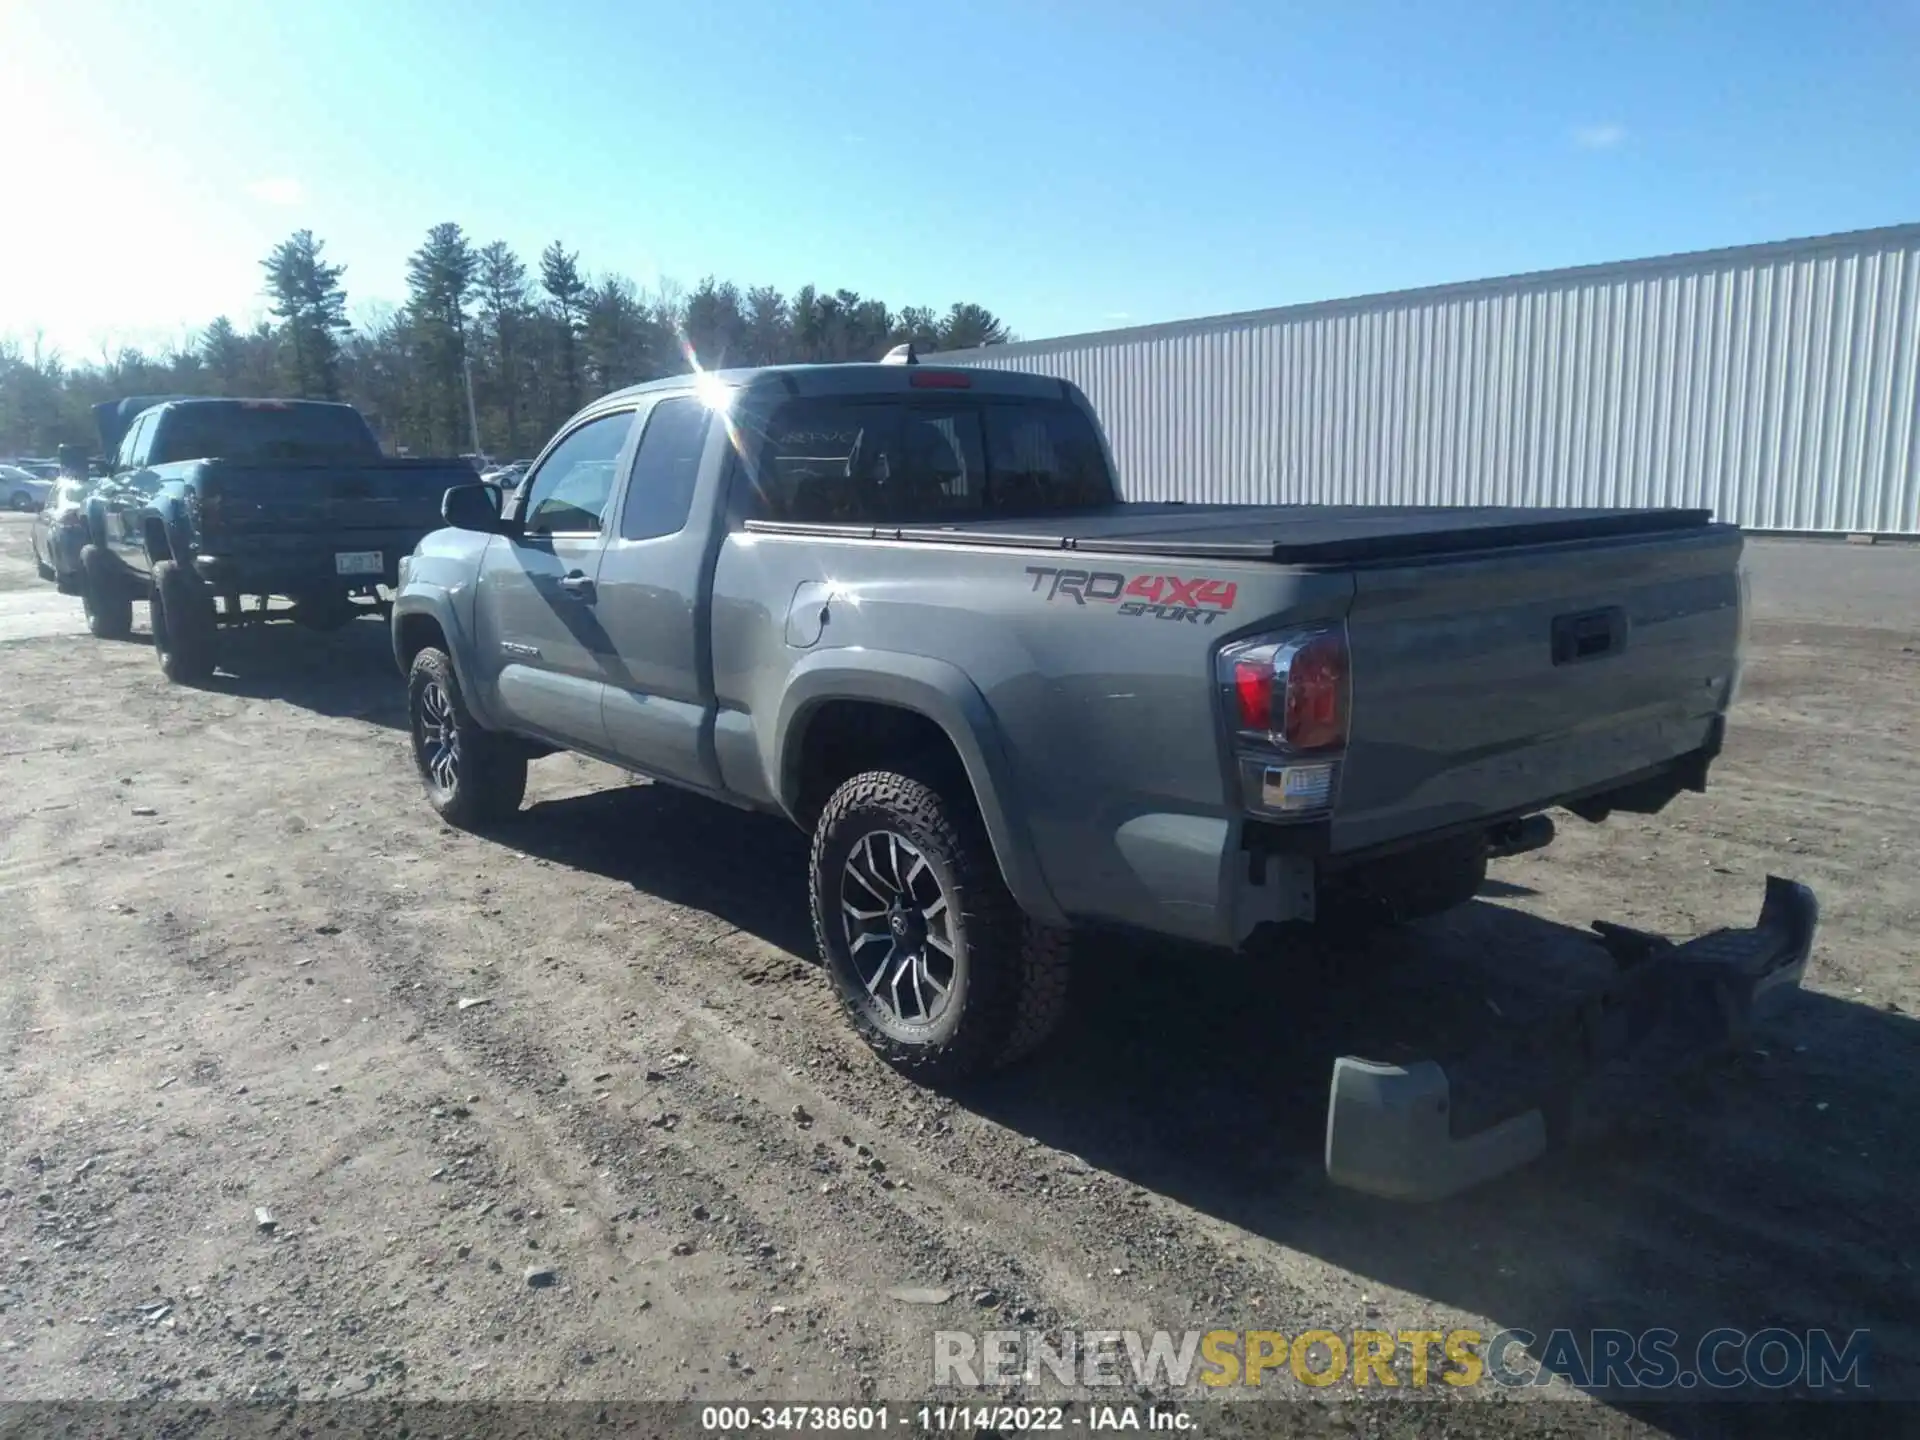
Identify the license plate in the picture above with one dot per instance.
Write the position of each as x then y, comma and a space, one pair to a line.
359, 562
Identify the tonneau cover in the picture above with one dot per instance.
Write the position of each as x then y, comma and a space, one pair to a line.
1287, 534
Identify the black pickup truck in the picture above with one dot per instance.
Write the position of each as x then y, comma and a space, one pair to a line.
209, 502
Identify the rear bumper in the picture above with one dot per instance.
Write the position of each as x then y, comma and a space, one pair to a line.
302, 565
1427, 1130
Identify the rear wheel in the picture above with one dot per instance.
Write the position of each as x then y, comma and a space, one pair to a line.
104, 595
473, 777
20, 500
931, 957
185, 634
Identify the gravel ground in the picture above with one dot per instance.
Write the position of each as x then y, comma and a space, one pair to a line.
307, 1095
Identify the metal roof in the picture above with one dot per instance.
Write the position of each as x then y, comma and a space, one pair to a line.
1684, 261
1777, 385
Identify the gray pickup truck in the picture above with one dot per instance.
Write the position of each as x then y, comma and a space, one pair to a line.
903, 606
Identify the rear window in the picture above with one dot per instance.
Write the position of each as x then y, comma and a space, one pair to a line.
871, 462
262, 434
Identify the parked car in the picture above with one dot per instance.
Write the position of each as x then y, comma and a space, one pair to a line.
60, 531
22, 489
508, 476
904, 608
213, 501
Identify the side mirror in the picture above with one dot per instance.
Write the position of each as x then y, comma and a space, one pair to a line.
475, 507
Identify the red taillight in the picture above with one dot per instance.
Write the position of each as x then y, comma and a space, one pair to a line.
940, 380
1253, 693
1316, 706
1290, 692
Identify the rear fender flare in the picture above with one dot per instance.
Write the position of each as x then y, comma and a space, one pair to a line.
944, 694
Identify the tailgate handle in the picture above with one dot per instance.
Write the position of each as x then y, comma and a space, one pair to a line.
1589, 635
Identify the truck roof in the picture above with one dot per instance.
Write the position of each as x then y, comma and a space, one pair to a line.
854, 378
114, 418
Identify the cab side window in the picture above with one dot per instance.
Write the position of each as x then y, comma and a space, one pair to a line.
567, 494
660, 494
133, 445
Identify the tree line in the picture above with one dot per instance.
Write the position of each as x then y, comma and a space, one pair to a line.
537, 339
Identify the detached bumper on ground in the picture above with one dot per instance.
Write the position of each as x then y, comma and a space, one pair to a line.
1424, 1131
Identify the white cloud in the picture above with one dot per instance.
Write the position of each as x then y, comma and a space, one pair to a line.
278, 190
1599, 137
1118, 315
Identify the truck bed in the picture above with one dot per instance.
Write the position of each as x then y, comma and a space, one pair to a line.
1284, 534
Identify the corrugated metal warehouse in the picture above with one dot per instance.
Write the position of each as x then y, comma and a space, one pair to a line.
1776, 384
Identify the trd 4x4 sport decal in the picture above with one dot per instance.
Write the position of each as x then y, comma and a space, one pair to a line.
1197, 599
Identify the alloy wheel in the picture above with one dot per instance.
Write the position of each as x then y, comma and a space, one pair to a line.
899, 928
439, 736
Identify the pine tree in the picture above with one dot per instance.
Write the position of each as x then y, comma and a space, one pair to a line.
560, 278
535, 348
505, 314
716, 325
615, 335
440, 279
312, 309
769, 335
967, 326
225, 355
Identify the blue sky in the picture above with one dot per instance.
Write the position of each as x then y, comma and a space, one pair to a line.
1073, 166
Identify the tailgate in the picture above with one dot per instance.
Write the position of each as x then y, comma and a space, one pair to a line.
1508, 680
325, 499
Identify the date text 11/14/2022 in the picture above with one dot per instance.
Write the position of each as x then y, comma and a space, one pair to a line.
926, 1419
1199, 600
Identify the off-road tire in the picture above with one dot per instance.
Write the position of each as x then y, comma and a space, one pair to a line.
487, 771
186, 637
1011, 974
103, 595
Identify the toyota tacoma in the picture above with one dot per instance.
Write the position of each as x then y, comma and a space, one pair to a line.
904, 606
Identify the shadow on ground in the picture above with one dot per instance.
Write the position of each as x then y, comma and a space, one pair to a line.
1775, 1191
347, 672
665, 842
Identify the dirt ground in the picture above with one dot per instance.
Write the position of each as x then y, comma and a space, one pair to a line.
243, 969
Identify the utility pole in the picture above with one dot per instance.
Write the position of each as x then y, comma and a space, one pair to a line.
473, 414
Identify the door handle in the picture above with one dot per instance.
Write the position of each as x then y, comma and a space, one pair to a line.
577, 584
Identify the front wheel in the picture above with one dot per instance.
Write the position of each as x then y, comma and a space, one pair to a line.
103, 596
185, 634
931, 957
473, 777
